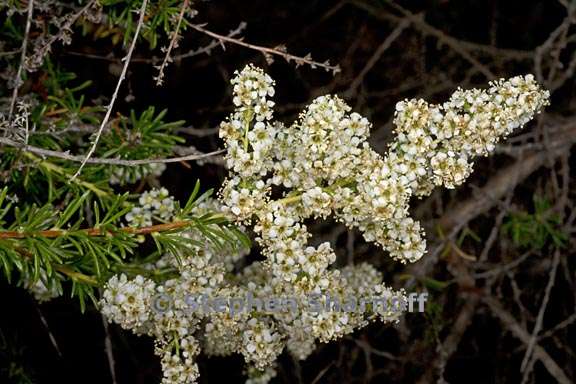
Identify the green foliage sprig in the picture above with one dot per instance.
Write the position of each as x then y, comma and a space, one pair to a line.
535, 230
59, 244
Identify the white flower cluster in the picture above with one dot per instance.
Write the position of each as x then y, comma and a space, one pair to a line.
179, 366
443, 139
40, 288
326, 163
128, 301
260, 336
156, 203
326, 167
321, 165
129, 175
256, 376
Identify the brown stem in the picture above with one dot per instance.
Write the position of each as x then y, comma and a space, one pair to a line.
51, 233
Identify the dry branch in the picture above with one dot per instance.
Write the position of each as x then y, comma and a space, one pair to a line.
92, 160
517, 330
115, 94
18, 78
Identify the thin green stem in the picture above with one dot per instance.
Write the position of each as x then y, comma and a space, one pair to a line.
290, 199
247, 120
78, 276
297, 197
61, 171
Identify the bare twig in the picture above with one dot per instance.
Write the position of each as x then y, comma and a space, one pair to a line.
496, 228
10, 53
215, 43
454, 44
268, 51
503, 268
173, 42
192, 53
321, 373
513, 54
108, 350
115, 94
449, 345
517, 330
463, 48
365, 345
50, 334
122, 162
565, 75
547, 46
563, 324
540, 318
18, 77
378, 54
199, 132
36, 59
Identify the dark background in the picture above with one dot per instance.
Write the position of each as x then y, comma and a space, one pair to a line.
447, 44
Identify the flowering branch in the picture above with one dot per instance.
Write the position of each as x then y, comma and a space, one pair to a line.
324, 166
